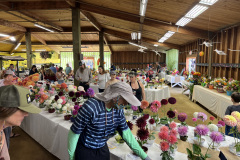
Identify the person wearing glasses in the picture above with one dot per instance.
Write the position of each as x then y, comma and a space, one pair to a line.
137, 87
96, 122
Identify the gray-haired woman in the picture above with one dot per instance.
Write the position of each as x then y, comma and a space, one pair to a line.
97, 121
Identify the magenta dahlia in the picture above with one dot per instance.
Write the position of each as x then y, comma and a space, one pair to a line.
202, 130
216, 137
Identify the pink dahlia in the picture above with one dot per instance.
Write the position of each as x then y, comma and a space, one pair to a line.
173, 132
202, 116
194, 119
172, 139
202, 130
164, 129
157, 104
230, 120
164, 146
216, 137
221, 123
182, 130
163, 135
154, 109
172, 125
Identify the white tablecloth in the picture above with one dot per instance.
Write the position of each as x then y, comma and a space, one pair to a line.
211, 99
51, 131
175, 79
157, 94
163, 75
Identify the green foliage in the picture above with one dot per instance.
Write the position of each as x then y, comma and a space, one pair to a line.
166, 156
196, 153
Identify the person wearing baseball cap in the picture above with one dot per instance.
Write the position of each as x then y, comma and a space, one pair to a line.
112, 79
7, 78
15, 104
84, 75
96, 122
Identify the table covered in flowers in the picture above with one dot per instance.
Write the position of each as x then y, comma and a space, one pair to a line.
51, 131
174, 79
211, 99
157, 94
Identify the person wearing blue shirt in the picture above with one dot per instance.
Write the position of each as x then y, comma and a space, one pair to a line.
235, 97
53, 69
113, 68
68, 69
96, 122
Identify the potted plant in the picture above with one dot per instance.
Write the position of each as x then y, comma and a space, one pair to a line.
182, 131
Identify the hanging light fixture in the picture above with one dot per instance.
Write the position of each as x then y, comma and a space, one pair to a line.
136, 35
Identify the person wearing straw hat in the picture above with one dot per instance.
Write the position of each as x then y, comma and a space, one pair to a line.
96, 122
15, 104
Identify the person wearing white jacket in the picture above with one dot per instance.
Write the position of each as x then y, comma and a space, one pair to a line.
103, 77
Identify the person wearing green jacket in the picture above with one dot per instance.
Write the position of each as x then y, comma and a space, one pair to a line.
97, 121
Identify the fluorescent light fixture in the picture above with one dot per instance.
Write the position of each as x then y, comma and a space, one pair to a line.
139, 35
17, 46
208, 2
12, 54
3, 35
143, 7
72, 46
134, 35
196, 11
39, 26
137, 45
24, 50
166, 36
39, 50
155, 45
183, 21
12, 38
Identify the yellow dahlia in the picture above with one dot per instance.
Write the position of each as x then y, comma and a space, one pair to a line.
236, 115
230, 120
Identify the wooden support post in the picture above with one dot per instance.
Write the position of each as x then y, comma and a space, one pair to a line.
101, 48
76, 34
1, 64
210, 60
28, 49
17, 69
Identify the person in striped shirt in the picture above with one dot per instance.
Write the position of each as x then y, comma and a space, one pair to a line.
96, 122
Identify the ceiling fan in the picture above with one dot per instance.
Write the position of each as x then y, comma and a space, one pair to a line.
208, 44
220, 52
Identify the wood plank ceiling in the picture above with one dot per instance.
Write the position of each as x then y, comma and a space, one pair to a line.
117, 18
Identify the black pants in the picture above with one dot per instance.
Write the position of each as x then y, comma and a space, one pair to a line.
101, 90
84, 153
84, 85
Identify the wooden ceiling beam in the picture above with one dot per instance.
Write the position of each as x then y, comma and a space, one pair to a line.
49, 5
92, 20
147, 21
82, 42
40, 39
19, 40
72, 3
126, 37
34, 5
40, 19
65, 30
12, 25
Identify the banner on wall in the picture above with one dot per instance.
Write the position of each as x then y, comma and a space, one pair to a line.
89, 62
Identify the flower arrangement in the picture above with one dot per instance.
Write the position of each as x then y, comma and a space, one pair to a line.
169, 140
46, 54
186, 73
182, 131
182, 118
